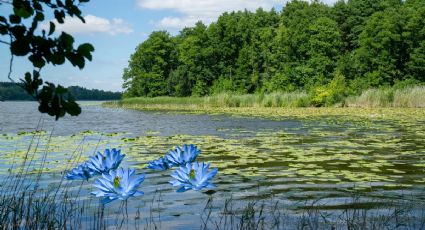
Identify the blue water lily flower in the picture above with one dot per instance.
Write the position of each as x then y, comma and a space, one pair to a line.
159, 164
81, 172
103, 163
118, 184
193, 176
182, 156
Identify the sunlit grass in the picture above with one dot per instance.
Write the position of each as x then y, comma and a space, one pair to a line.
410, 97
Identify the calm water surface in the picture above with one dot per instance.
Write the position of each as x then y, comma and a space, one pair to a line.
295, 162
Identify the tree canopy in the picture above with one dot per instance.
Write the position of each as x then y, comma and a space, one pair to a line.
359, 43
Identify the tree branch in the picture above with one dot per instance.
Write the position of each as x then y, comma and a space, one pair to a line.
10, 64
7, 43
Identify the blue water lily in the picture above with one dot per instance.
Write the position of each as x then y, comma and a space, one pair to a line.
182, 156
103, 163
159, 164
118, 184
193, 176
81, 172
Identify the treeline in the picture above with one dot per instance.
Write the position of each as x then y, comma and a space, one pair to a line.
313, 47
12, 91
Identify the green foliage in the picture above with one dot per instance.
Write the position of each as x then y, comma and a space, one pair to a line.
308, 46
21, 29
150, 66
331, 93
222, 85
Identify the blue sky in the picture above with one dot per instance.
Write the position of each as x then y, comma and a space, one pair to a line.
116, 27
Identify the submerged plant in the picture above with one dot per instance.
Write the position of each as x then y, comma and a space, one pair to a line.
159, 164
193, 176
103, 163
182, 156
81, 172
118, 184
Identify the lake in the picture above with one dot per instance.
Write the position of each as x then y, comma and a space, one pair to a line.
332, 163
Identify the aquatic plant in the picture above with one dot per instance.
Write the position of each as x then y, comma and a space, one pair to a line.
118, 184
160, 164
193, 176
182, 156
81, 172
103, 163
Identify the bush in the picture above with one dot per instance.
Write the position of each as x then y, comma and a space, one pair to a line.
330, 94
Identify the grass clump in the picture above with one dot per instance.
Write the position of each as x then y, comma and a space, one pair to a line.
223, 100
407, 97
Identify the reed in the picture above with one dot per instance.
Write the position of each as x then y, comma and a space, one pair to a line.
224, 100
408, 97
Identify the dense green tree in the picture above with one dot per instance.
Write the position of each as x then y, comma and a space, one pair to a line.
382, 48
307, 46
150, 66
324, 48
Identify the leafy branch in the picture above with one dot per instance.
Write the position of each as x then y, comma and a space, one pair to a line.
45, 48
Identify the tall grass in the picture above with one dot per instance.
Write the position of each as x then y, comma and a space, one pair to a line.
226, 100
29, 199
409, 97
272, 214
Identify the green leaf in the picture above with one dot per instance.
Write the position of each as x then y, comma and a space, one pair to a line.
85, 50
15, 19
76, 60
23, 9
66, 40
57, 59
37, 61
59, 15
39, 16
52, 28
20, 47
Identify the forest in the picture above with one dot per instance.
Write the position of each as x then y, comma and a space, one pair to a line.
13, 92
335, 51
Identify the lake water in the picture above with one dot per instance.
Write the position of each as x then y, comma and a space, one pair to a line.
334, 163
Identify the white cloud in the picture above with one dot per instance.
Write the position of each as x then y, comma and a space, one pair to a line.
177, 22
93, 25
204, 10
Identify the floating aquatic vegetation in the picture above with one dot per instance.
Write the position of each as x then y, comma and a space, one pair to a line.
119, 184
182, 156
193, 176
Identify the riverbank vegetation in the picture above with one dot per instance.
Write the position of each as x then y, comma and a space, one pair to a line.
408, 97
357, 52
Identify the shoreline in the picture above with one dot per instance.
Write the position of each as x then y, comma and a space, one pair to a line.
417, 114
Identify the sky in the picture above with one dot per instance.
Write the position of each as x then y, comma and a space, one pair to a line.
115, 28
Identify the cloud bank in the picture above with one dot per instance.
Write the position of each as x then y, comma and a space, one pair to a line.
93, 25
207, 11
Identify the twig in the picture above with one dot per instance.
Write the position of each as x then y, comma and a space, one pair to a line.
10, 64
7, 43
